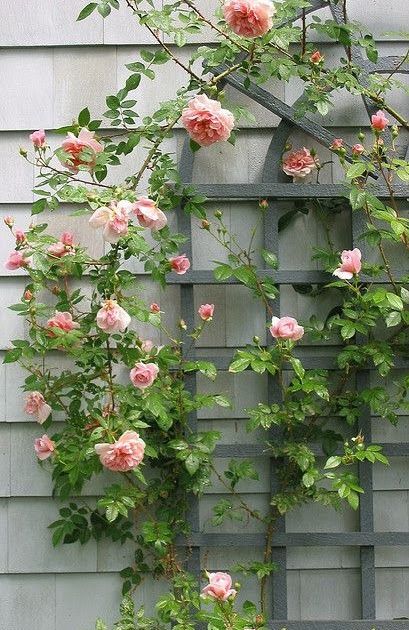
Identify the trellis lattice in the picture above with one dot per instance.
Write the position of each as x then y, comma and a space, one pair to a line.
275, 187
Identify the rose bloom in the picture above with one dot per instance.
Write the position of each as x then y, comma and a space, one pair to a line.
16, 260
206, 122
38, 138
82, 150
219, 586
28, 295
144, 374
180, 264
316, 57
358, 149
249, 18
112, 318
286, 328
299, 164
20, 236
147, 345
63, 321
350, 264
9, 220
114, 218
379, 121
206, 311
123, 455
154, 308
35, 405
44, 447
149, 215
336, 144
63, 246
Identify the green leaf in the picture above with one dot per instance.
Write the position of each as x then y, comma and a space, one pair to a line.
39, 206
86, 11
356, 169
297, 367
270, 259
223, 272
332, 462
133, 82
353, 500
192, 463
239, 365
404, 295
395, 301
12, 355
393, 318
84, 117
111, 513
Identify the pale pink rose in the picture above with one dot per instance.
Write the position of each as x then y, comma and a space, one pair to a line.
316, 57
206, 311
123, 455
38, 138
44, 447
112, 318
180, 264
144, 374
337, 144
9, 221
358, 149
16, 260
147, 346
63, 321
20, 237
82, 150
350, 264
286, 328
67, 238
35, 405
206, 122
299, 164
114, 218
154, 308
379, 121
149, 215
219, 587
249, 18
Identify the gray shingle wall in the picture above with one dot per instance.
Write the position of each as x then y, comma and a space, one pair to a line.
51, 68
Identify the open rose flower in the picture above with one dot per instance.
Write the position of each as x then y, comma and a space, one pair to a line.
16, 260
336, 144
63, 321
350, 264
206, 312
44, 447
249, 18
35, 405
38, 138
62, 247
114, 219
149, 215
82, 150
219, 587
206, 122
298, 164
123, 455
112, 318
154, 308
358, 149
180, 264
379, 121
286, 328
143, 375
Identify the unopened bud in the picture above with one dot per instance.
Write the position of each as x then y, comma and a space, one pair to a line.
154, 308
9, 221
313, 152
256, 340
361, 136
263, 204
395, 131
205, 224
259, 620
218, 214
28, 296
359, 439
118, 191
56, 290
182, 324
23, 151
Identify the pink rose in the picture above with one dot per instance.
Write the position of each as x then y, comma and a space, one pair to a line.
28, 295
63, 321
206, 122
63, 247
379, 121
286, 328
20, 237
180, 264
44, 447
123, 455
316, 57
219, 586
35, 405
149, 215
38, 138
154, 308
147, 346
206, 311
299, 163
16, 260
82, 150
112, 318
9, 221
337, 144
67, 238
249, 18
350, 264
114, 218
144, 374
358, 149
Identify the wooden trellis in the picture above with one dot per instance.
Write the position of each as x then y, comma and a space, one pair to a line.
275, 187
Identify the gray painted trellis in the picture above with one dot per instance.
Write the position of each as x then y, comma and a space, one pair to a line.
275, 187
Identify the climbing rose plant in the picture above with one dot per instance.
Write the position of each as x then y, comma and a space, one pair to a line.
124, 399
